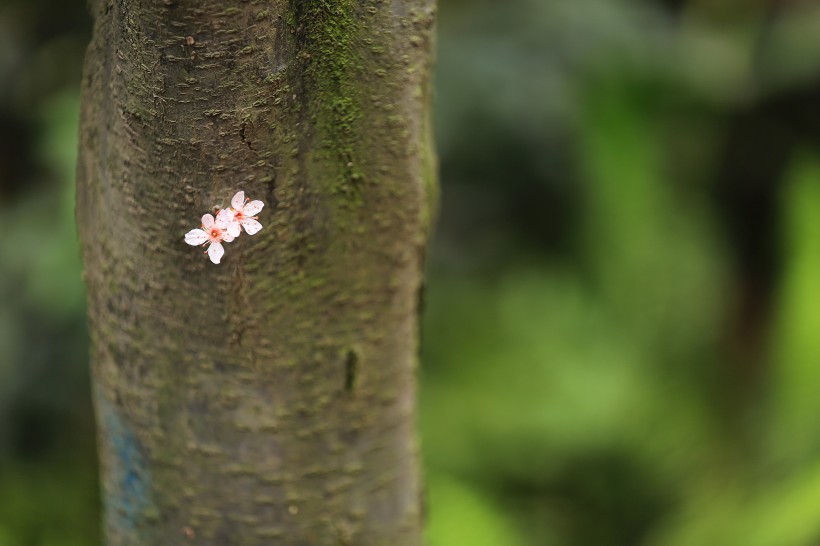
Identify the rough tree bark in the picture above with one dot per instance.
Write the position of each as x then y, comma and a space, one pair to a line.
268, 399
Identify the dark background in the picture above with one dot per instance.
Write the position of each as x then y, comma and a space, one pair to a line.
622, 332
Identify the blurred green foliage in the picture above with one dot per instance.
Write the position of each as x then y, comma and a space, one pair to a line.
621, 343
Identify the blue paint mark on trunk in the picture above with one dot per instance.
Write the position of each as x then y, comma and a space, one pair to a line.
127, 479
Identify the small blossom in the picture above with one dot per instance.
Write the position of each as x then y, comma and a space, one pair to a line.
244, 215
213, 233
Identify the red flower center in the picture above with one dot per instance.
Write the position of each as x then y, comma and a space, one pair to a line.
216, 232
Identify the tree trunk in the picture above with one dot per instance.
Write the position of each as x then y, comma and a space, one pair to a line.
268, 399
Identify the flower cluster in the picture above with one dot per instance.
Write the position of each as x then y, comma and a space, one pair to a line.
227, 226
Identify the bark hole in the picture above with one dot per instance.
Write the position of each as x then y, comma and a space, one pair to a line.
351, 367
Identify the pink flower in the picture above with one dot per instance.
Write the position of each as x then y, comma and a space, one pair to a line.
213, 232
244, 215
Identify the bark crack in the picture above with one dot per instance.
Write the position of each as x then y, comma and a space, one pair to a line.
245, 138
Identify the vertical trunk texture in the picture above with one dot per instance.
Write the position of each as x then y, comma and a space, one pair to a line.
268, 399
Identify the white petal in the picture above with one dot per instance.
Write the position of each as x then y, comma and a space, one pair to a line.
238, 200
251, 226
233, 230
223, 218
207, 221
227, 237
253, 208
196, 237
215, 252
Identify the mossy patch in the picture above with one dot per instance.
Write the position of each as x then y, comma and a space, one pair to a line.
326, 39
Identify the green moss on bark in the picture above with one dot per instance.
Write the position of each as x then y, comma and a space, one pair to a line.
326, 34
